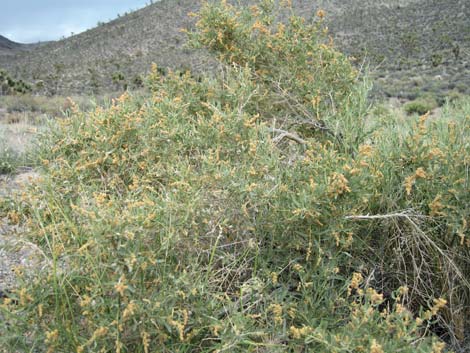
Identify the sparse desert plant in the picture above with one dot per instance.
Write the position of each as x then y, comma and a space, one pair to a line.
32, 107
138, 81
9, 85
409, 43
8, 159
436, 59
21, 104
454, 96
421, 105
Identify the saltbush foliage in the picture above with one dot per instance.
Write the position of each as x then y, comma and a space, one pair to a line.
256, 210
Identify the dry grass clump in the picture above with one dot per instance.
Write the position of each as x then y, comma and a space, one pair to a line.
55, 106
242, 212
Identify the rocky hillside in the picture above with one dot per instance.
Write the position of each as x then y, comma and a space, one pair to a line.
410, 45
122, 49
6, 44
9, 48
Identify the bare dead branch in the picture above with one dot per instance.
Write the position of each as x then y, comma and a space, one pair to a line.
404, 214
288, 135
410, 216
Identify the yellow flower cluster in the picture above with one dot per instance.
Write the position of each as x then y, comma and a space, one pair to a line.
366, 150
258, 26
121, 286
180, 326
276, 310
129, 310
52, 336
321, 13
298, 333
355, 282
438, 347
410, 180
436, 207
98, 333
338, 184
375, 298
438, 305
145, 341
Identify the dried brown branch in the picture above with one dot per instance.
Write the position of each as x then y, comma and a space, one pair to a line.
410, 216
288, 135
403, 214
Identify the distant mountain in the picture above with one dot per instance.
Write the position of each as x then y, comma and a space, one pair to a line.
9, 48
6, 44
411, 46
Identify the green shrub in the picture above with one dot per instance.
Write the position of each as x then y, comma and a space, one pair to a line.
436, 59
178, 222
246, 211
421, 105
9, 85
453, 96
300, 76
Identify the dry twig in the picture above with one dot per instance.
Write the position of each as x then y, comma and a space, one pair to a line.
288, 135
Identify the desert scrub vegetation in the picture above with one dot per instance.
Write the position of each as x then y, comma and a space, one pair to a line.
255, 210
9, 159
14, 155
36, 109
8, 85
421, 105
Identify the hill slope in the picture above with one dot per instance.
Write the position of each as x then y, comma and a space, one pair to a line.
125, 46
412, 45
6, 44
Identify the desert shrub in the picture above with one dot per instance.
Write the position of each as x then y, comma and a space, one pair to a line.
421, 105
8, 160
32, 106
183, 227
8, 85
423, 167
300, 76
453, 96
436, 59
138, 81
23, 103
11, 160
208, 218
118, 77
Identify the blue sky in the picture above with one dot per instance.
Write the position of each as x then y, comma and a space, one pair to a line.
28, 21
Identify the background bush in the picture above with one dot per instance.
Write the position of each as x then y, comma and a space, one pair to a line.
421, 105
11, 86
